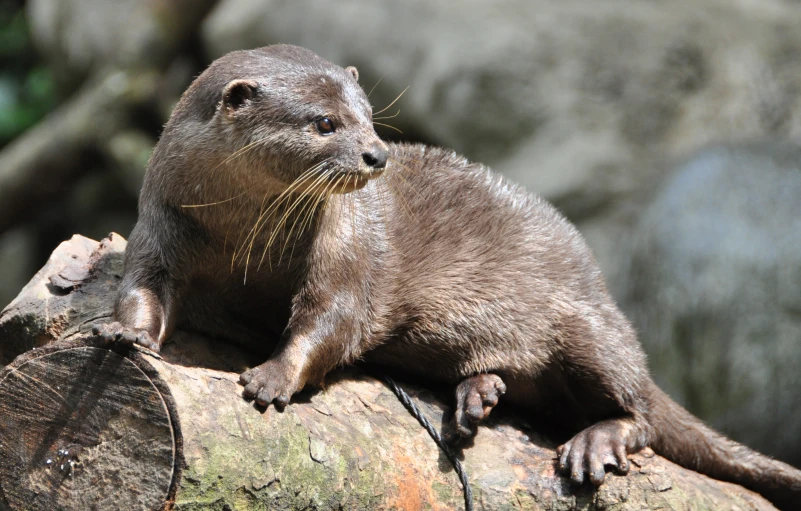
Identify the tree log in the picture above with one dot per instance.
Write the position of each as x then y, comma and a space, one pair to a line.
89, 426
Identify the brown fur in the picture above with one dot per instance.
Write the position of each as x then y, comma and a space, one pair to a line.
439, 267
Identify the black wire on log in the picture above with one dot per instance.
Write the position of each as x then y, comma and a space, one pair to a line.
417, 414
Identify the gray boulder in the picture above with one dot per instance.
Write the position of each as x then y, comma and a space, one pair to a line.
715, 291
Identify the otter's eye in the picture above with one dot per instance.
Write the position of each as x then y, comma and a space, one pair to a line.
325, 126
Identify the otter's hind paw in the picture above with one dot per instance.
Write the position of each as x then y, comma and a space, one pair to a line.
592, 450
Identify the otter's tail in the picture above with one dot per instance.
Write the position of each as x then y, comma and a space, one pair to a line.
684, 439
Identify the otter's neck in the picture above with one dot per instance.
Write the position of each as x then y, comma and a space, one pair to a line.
272, 231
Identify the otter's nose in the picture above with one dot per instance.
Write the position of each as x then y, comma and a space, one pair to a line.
376, 157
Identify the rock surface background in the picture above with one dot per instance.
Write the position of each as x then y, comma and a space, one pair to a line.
665, 130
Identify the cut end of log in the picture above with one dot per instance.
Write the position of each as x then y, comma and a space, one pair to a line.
83, 428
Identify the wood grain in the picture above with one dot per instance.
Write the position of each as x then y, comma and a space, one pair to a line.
83, 428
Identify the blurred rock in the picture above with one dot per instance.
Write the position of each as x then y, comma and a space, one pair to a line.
120, 64
715, 291
83, 34
79, 36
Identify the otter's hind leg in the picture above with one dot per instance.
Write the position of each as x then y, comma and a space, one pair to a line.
607, 370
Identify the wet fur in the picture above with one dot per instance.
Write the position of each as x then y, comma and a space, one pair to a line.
439, 267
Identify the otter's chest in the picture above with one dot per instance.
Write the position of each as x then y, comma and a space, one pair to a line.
236, 310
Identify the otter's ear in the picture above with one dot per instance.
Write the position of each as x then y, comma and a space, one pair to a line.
236, 94
355, 72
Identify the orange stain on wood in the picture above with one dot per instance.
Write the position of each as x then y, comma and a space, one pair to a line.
520, 472
409, 497
415, 491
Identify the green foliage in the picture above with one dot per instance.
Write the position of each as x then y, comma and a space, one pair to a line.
26, 86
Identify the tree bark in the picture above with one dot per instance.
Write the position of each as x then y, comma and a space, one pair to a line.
148, 431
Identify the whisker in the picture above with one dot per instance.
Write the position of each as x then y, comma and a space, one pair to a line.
321, 197
401, 198
212, 203
240, 151
287, 236
388, 126
374, 86
277, 228
231, 222
393, 102
336, 186
310, 195
328, 188
241, 246
260, 221
388, 116
307, 216
295, 184
253, 230
281, 223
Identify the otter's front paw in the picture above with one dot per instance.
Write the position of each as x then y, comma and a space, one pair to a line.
117, 332
270, 382
600, 445
475, 398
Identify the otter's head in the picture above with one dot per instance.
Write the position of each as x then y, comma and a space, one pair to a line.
280, 117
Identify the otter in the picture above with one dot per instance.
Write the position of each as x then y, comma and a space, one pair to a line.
271, 210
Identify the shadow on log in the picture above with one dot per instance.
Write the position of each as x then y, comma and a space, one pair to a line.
88, 426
